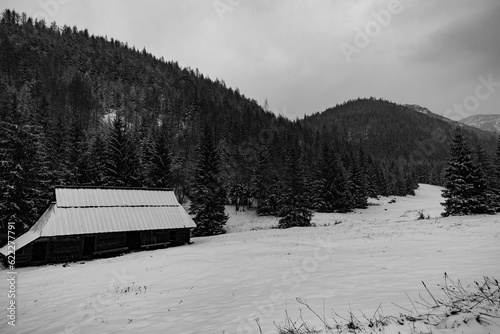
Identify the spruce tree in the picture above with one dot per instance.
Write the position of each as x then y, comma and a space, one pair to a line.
25, 175
162, 162
58, 134
483, 162
371, 173
357, 184
13, 205
486, 172
294, 207
122, 162
465, 185
147, 153
496, 176
207, 194
265, 183
97, 161
38, 171
330, 186
75, 154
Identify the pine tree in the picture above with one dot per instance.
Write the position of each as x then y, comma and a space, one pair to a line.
357, 184
96, 157
162, 162
122, 162
58, 134
330, 186
75, 154
483, 162
265, 184
496, 176
206, 192
24, 174
370, 171
465, 185
39, 172
12, 206
148, 156
238, 194
294, 207
484, 165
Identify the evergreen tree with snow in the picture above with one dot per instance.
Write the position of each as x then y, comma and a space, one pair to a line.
122, 163
162, 162
13, 205
266, 187
330, 186
97, 161
148, 155
24, 173
496, 176
357, 184
294, 206
238, 194
207, 193
465, 185
75, 153
483, 162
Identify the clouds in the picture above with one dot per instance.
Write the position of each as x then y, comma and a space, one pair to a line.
468, 36
287, 51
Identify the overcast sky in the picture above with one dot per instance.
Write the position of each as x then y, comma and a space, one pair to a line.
305, 56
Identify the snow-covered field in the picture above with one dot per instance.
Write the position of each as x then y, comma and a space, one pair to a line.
221, 284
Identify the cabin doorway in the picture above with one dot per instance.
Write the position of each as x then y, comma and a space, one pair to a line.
88, 246
133, 240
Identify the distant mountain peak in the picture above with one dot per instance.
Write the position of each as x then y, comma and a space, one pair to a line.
486, 122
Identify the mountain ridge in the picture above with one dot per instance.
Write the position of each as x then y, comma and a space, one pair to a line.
486, 122
397, 130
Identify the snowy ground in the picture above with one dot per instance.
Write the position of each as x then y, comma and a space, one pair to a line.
222, 284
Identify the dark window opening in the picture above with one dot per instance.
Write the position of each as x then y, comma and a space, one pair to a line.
39, 252
133, 240
88, 246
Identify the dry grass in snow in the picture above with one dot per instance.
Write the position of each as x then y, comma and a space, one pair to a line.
465, 310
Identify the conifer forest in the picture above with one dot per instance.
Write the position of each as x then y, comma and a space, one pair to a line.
79, 109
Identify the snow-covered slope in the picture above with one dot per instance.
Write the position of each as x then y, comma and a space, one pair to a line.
221, 284
484, 122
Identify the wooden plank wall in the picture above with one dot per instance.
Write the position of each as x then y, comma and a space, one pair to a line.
62, 249
105, 241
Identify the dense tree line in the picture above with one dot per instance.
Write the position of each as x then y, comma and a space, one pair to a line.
78, 109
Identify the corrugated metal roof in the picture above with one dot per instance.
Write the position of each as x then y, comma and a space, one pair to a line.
69, 221
94, 197
88, 211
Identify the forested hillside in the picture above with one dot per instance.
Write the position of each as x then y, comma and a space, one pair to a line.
78, 109
397, 135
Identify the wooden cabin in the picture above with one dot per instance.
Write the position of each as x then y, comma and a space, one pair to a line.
84, 223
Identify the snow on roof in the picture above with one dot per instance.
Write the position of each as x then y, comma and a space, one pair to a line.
105, 197
102, 210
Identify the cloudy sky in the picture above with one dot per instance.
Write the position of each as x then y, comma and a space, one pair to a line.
305, 56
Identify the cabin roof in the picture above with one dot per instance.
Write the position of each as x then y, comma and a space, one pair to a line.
80, 210
113, 197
